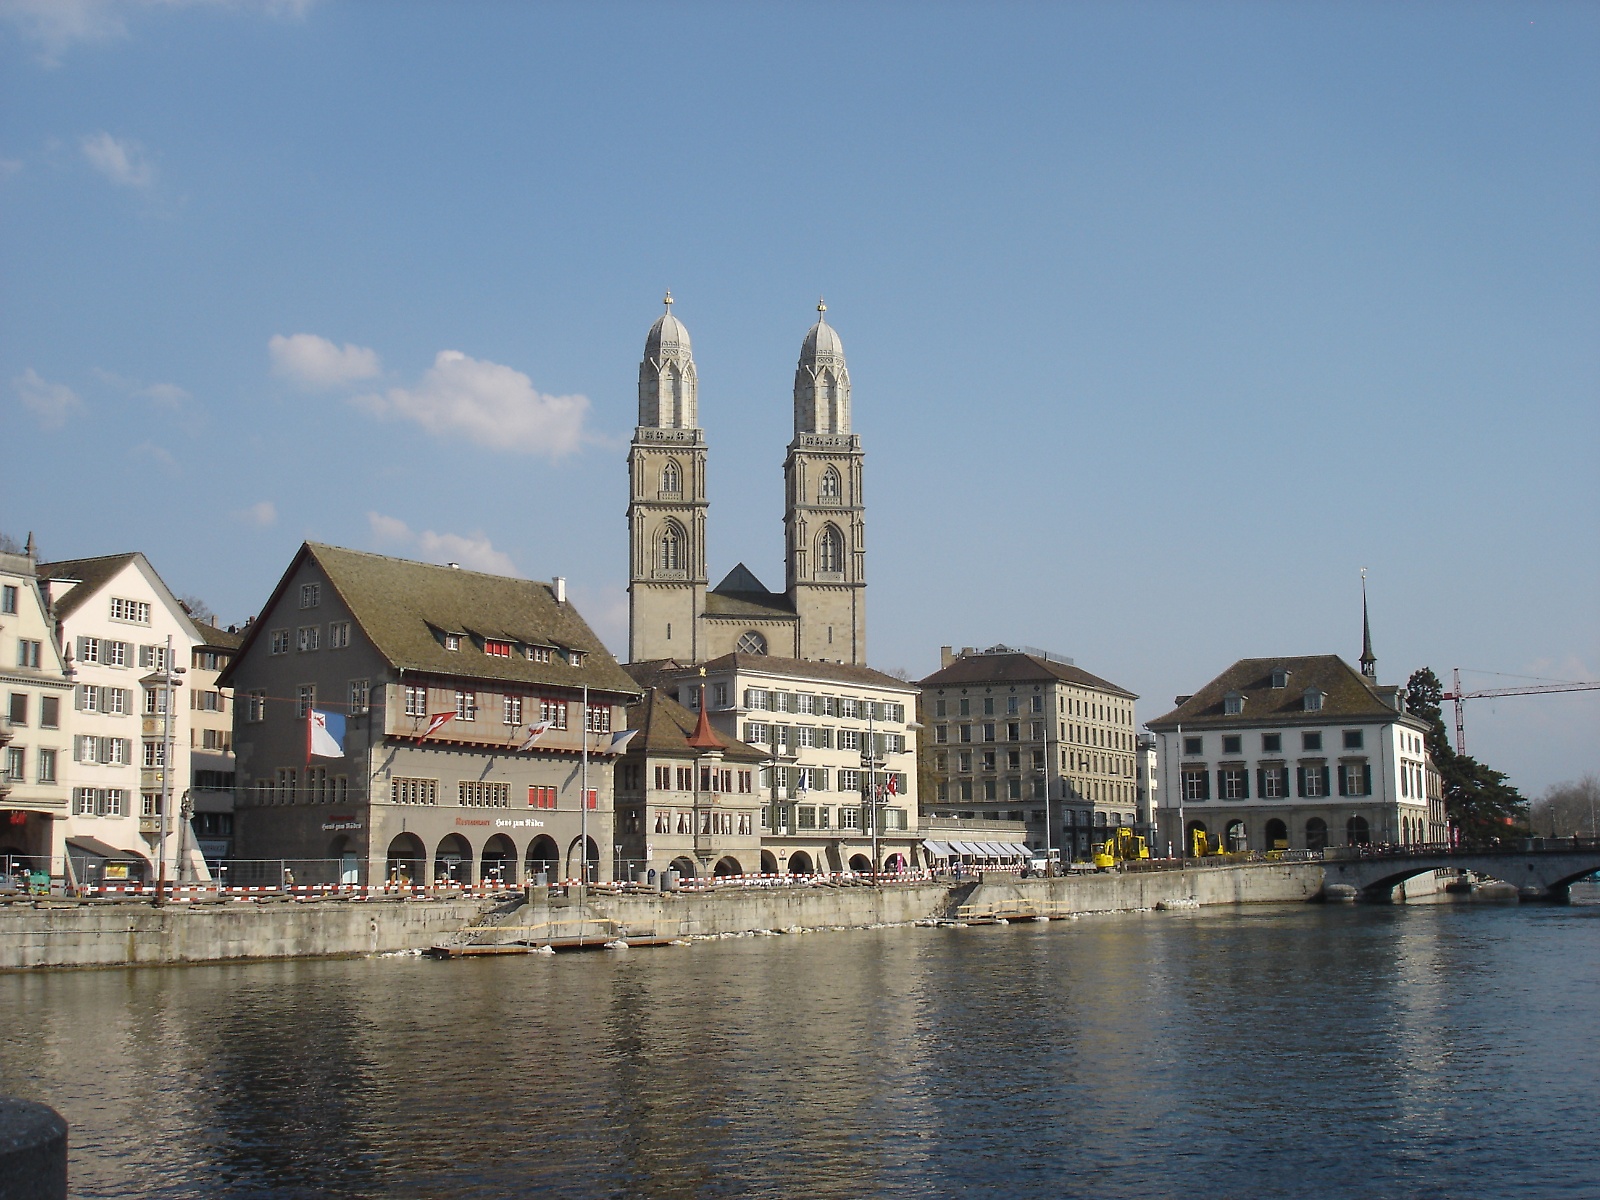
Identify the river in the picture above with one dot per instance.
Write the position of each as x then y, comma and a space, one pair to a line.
1444, 1050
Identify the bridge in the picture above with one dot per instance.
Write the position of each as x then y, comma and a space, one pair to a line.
1540, 868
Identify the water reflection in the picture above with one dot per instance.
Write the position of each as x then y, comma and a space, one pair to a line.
1329, 1051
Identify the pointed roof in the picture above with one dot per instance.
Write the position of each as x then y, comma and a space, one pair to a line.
1369, 661
704, 737
664, 727
92, 575
742, 594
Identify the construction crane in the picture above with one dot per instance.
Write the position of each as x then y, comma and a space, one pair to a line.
1526, 689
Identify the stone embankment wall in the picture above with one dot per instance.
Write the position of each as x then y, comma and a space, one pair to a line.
114, 935
127, 934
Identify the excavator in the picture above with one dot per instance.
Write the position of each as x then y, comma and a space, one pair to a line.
1122, 846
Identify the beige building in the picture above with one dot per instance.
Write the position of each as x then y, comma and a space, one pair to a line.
1018, 734
35, 741
211, 779
687, 796
839, 756
441, 678
673, 613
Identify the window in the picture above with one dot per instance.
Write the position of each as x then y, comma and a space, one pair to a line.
117, 654
16, 769
338, 635
214, 739
28, 653
1280, 678
1013, 730
539, 654
1355, 779
541, 796
308, 637
416, 701
17, 710
310, 595
988, 731
155, 754
1233, 703
207, 701
751, 642
669, 550
1352, 739
280, 641
554, 711
1272, 743
255, 707
155, 700
306, 699
1196, 784
830, 551
599, 719
964, 707
360, 696
829, 489
466, 706
414, 791
1193, 746
1274, 782
1313, 781
479, 793
988, 706
1231, 743
1311, 741
8, 599
1233, 783
575, 658
671, 478
88, 650
1313, 699
452, 641
136, 611
1037, 705
47, 766
497, 649
938, 708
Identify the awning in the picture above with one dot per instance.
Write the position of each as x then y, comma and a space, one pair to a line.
95, 848
936, 849
966, 848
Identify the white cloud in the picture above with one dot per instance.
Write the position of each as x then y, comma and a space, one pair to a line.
493, 405
473, 551
262, 514
122, 161
315, 362
50, 403
55, 25
158, 455
167, 395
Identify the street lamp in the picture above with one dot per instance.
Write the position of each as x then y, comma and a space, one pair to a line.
167, 677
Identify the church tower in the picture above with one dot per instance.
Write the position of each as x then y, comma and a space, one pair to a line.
666, 501
824, 516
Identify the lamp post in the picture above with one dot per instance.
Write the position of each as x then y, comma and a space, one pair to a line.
167, 678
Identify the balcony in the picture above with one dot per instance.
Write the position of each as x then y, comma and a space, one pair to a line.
6, 731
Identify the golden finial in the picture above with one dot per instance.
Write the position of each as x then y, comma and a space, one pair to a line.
822, 307
667, 300
702, 672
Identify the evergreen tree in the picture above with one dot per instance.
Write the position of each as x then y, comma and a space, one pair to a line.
1477, 799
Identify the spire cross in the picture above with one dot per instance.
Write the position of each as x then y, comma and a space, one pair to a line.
667, 300
822, 307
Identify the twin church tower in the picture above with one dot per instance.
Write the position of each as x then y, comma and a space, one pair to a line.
672, 613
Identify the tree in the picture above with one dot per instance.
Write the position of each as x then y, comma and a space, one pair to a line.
10, 545
1567, 808
198, 609
1480, 804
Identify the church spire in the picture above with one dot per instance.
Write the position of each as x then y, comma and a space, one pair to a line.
1369, 661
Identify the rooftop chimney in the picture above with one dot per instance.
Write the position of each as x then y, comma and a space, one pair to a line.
454, 566
561, 589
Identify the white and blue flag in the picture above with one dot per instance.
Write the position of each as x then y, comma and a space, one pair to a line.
325, 735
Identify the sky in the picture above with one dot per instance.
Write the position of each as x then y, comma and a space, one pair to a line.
1164, 320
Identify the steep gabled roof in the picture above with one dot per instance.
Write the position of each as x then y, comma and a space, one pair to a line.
741, 594
665, 726
1017, 668
91, 574
405, 607
1346, 694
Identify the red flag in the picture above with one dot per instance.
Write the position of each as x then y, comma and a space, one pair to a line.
894, 787
435, 723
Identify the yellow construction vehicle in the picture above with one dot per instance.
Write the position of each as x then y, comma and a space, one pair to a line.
1122, 846
1204, 843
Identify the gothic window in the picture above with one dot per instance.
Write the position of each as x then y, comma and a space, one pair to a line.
671, 556
830, 550
830, 485
671, 477
674, 383
752, 642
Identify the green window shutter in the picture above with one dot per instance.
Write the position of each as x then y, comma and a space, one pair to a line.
1299, 781
1222, 787
1261, 781
1344, 787
1244, 785
1366, 779
1284, 772
1324, 781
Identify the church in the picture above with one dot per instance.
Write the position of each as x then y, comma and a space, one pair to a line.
673, 613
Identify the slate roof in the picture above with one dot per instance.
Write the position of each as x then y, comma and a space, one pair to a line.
664, 727
405, 607
741, 594
219, 639
816, 670
1348, 695
92, 574
1017, 668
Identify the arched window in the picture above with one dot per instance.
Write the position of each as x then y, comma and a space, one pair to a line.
829, 490
674, 383
671, 477
1316, 833
830, 550
671, 555
1355, 832
751, 642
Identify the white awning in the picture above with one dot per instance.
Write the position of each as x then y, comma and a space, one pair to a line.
936, 849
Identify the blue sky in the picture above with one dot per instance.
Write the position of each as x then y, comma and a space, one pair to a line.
1164, 320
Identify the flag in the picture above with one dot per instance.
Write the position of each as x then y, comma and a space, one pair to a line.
534, 733
619, 741
435, 723
893, 785
325, 735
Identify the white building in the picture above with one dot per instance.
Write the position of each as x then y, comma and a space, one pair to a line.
1292, 753
34, 740
120, 629
841, 744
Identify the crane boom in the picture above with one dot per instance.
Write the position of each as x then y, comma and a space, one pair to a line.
1527, 689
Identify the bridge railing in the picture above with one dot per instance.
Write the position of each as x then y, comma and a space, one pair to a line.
1446, 850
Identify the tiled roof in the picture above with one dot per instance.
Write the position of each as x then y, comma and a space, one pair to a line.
405, 607
219, 639
664, 727
92, 574
1016, 668
1347, 694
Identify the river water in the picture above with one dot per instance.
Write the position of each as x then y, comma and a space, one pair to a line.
1448, 1050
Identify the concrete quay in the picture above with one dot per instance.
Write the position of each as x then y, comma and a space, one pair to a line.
56, 935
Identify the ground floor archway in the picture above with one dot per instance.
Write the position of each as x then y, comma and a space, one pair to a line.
860, 863
1189, 839
727, 866
1316, 833
684, 866
498, 865
1277, 835
1237, 836
800, 863
406, 860
543, 857
1356, 832
580, 854
895, 862
452, 861
769, 863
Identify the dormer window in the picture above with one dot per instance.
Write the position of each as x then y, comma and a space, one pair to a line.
495, 649
1313, 699
539, 654
575, 658
452, 641
1233, 703
1280, 678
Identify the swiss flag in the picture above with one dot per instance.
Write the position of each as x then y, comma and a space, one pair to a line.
435, 723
